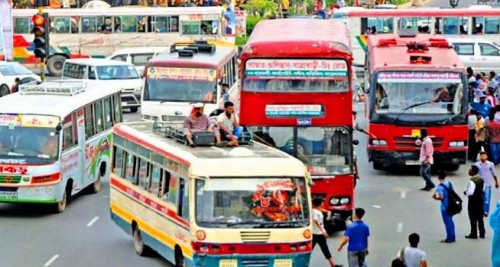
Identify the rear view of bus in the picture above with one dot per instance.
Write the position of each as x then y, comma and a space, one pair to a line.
415, 82
54, 141
188, 73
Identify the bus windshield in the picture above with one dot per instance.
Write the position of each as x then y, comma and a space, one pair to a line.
180, 85
418, 93
252, 203
32, 142
325, 150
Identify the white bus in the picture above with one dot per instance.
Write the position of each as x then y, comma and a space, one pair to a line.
55, 141
177, 78
209, 206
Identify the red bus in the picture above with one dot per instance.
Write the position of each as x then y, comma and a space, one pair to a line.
296, 95
414, 82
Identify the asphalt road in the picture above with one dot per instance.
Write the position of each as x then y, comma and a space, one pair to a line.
85, 236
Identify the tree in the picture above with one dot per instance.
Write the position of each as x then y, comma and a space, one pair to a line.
260, 8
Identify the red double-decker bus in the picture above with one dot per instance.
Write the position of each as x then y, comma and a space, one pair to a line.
414, 82
296, 95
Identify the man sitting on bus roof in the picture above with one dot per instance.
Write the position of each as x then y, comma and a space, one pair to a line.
229, 125
197, 121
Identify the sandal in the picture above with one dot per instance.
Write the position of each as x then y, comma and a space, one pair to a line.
445, 241
192, 145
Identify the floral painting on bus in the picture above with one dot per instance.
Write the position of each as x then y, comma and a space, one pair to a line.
96, 153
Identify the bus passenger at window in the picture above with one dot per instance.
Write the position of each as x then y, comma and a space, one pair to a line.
197, 121
204, 30
229, 125
118, 28
50, 147
225, 92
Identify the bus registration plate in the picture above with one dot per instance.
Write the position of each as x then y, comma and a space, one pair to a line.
8, 195
412, 162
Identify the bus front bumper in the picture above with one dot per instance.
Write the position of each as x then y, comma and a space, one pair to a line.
391, 158
288, 260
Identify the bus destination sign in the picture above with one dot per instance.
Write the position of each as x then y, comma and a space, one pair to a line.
293, 69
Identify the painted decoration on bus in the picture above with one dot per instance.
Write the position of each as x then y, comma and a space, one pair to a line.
295, 69
419, 77
241, 23
275, 200
13, 120
294, 110
95, 152
181, 73
198, 17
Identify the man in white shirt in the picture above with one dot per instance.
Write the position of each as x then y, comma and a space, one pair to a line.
319, 232
413, 256
229, 126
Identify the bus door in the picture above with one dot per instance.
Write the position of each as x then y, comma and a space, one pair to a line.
80, 119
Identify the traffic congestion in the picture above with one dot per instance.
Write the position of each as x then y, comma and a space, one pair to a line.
221, 134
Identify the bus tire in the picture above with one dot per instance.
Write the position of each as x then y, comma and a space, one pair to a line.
134, 109
180, 260
55, 65
452, 167
96, 186
60, 206
4, 90
140, 248
378, 166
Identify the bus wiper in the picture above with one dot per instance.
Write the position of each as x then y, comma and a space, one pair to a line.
408, 107
454, 116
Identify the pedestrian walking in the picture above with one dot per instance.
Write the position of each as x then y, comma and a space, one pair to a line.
488, 173
412, 256
426, 160
356, 235
480, 135
442, 195
495, 243
319, 232
472, 119
474, 191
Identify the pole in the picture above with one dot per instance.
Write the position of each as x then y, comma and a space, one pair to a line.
42, 64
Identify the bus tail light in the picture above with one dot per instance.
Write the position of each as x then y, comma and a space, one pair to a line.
46, 178
205, 248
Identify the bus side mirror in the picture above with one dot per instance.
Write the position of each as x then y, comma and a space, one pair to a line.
58, 128
355, 142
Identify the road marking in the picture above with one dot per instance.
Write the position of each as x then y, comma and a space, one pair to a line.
403, 194
49, 262
400, 227
93, 221
377, 206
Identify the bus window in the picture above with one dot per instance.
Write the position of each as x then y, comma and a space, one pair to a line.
161, 24
62, 25
191, 28
491, 26
143, 174
380, 25
455, 25
108, 109
183, 207
174, 24
69, 137
98, 116
118, 108
89, 122
127, 23
142, 24
91, 24
74, 71
118, 161
22, 25
155, 180
130, 167
141, 59
164, 191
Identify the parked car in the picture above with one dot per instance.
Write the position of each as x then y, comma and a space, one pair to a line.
138, 56
9, 71
112, 73
481, 55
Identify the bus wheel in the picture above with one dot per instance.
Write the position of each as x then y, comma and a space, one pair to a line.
4, 90
61, 205
140, 248
180, 261
378, 166
96, 186
55, 65
134, 109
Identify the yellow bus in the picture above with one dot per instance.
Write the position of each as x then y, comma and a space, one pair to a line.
209, 206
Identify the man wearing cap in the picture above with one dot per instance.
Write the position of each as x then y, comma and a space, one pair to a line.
197, 121
482, 106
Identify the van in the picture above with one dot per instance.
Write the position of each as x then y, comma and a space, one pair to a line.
110, 73
482, 55
138, 56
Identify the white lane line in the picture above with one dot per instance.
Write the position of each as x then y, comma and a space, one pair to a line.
403, 194
377, 206
400, 227
49, 262
93, 221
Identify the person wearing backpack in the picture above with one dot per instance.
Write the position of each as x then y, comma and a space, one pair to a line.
411, 256
442, 194
475, 206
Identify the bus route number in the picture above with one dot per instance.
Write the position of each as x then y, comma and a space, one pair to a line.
13, 169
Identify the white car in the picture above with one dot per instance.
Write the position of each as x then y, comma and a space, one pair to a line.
9, 71
481, 54
138, 56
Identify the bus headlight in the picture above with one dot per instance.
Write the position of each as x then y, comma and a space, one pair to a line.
334, 201
344, 200
377, 142
457, 144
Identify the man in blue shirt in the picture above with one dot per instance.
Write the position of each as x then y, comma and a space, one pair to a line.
357, 235
442, 195
482, 106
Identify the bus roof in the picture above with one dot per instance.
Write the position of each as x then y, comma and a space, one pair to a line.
221, 55
256, 160
390, 52
300, 34
98, 62
425, 12
119, 11
53, 104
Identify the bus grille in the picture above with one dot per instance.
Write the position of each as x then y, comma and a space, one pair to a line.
249, 262
255, 237
410, 142
6, 179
